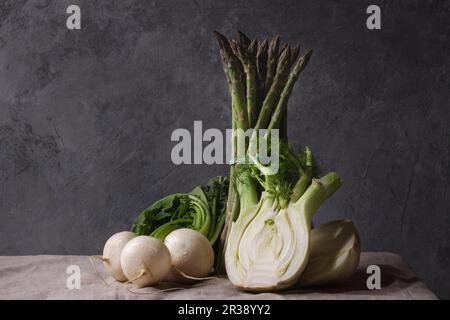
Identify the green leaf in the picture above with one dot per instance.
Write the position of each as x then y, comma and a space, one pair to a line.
201, 209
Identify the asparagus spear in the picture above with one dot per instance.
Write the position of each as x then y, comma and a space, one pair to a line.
233, 44
225, 70
261, 60
261, 65
253, 49
294, 55
237, 89
284, 122
232, 68
275, 89
243, 39
248, 63
272, 60
287, 90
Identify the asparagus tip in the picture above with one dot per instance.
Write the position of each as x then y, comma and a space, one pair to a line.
242, 38
307, 56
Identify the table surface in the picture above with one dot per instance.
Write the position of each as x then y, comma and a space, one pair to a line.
47, 277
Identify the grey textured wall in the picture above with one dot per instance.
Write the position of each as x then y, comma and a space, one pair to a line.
86, 116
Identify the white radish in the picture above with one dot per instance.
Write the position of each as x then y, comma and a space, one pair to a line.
145, 261
111, 254
192, 255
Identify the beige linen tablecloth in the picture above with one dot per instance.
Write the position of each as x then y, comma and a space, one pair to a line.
46, 277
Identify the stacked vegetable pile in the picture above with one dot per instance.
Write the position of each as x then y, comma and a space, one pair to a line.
266, 238
263, 217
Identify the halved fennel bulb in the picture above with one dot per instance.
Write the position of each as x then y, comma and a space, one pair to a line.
268, 246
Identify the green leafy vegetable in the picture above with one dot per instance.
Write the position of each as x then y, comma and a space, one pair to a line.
202, 209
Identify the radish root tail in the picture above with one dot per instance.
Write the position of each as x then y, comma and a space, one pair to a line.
194, 278
140, 275
91, 259
101, 258
157, 291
